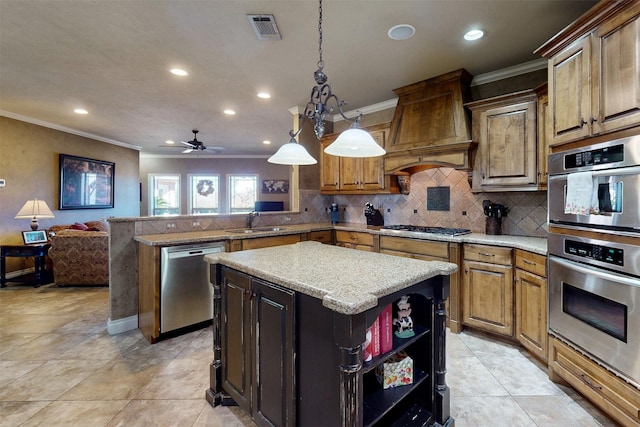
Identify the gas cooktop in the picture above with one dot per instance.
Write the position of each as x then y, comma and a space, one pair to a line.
429, 230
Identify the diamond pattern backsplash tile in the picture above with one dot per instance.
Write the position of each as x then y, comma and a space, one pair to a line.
527, 210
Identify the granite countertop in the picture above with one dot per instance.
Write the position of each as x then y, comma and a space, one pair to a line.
347, 281
532, 244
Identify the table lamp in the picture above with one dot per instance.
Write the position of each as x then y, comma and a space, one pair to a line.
33, 210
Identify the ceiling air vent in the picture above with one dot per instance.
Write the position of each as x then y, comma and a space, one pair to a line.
265, 27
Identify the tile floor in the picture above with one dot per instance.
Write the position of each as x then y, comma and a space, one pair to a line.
59, 367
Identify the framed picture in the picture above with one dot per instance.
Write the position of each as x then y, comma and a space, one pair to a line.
37, 236
275, 186
85, 183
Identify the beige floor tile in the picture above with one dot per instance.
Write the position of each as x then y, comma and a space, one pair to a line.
15, 413
519, 376
467, 376
456, 346
165, 413
223, 416
489, 411
10, 341
46, 347
49, 381
553, 411
121, 379
65, 414
103, 346
11, 370
181, 379
36, 323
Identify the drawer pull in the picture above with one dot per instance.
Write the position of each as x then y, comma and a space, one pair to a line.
526, 261
486, 254
588, 382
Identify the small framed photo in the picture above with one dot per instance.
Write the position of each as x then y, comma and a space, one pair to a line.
37, 236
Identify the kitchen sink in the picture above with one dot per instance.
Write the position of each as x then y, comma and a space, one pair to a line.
254, 230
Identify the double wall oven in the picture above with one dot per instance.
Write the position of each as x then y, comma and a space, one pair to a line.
594, 254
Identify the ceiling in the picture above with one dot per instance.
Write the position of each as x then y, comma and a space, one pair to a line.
112, 57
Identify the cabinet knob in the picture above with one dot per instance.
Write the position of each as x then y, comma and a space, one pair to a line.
582, 122
593, 120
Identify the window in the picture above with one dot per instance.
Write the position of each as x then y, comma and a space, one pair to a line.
164, 194
243, 192
204, 193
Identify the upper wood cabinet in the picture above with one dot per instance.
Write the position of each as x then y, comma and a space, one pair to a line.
356, 175
544, 126
505, 128
594, 73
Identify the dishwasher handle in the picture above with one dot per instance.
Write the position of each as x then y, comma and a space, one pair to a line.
177, 252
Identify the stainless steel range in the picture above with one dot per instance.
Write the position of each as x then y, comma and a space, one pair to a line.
594, 252
428, 230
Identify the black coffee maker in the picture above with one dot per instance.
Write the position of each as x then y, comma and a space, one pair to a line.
374, 217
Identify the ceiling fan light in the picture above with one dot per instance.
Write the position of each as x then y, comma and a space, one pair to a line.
355, 142
292, 153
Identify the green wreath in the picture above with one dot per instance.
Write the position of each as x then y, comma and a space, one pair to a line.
204, 187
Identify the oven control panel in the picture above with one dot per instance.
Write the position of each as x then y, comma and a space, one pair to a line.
599, 156
600, 253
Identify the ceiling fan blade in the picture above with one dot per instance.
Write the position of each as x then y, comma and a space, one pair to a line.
215, 147
188, 150
188, 143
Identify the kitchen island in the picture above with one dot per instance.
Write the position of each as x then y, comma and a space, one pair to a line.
289, 325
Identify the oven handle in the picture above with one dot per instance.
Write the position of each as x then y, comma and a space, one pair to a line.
633, 170
595, 272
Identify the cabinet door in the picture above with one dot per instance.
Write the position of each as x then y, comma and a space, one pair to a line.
329, 168
531, 312
487, 297
616, 72
372, 168
508, 138
235, 334
570, 92
349, 173
544, 137
274, 344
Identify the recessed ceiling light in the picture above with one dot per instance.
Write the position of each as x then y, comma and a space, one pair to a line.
266, 142
168, 141
264, 95
179, 72
229, 112
474, 35
401, 32
80, 111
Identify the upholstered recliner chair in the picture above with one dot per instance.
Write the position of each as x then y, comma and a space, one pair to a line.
80, 254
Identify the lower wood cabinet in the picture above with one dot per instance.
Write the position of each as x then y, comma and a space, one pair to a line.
358, 240
322, 236
531, 302
263, 242
617, 398
258, 357
487, 289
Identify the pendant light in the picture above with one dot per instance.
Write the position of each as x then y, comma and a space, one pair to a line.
354, 142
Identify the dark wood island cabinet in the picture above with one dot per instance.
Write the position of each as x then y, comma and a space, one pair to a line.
289, 325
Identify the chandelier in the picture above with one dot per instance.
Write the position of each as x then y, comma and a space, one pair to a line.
354, 142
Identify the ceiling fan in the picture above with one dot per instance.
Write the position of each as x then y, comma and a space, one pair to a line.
195, 145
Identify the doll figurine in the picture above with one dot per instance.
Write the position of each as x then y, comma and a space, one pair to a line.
403, 323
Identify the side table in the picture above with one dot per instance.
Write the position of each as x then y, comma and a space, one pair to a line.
37, 251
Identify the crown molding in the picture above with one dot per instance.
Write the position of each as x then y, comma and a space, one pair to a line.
505, 73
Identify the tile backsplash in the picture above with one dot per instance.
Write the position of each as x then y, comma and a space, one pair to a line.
527, 214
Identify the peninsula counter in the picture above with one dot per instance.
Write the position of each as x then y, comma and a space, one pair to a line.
289, 324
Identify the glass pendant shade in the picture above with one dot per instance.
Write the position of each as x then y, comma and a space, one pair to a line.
292, 153
355, 142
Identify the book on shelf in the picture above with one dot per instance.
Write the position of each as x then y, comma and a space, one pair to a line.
386, 330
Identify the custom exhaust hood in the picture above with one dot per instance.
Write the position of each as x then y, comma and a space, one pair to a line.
431, 127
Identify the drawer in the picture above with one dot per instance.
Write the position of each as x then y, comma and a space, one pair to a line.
324, 236
485, 253
265, 242
420, 249
533, 263
616, 397
354, 237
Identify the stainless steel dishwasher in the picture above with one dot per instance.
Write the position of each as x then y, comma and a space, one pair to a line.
186, 297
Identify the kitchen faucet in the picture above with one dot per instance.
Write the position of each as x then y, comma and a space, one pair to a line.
250, 218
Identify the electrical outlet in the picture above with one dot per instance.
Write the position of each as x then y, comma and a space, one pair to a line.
2, 182
171, 225
464, 213
388, 210
415, 211
195, 224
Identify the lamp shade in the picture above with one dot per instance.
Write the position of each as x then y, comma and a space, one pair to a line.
292, 153
34, 209
355, 142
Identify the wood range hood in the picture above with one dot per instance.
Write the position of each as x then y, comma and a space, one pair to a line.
431, 127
